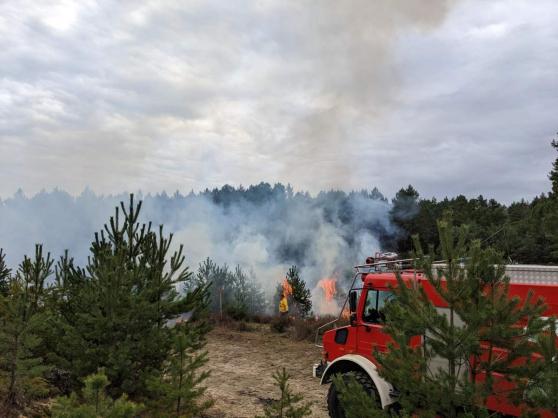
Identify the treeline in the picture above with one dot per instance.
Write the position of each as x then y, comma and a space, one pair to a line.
292, 223
525, 232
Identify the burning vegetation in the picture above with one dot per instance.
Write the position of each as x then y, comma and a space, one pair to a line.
327, 297
329, 286
287, 288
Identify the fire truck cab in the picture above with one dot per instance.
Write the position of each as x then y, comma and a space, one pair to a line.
350, 348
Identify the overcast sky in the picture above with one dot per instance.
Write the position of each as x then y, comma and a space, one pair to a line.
452, 97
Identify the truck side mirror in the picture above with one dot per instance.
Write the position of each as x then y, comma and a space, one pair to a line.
353, 301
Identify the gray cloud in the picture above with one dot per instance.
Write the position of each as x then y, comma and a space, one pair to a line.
453, 97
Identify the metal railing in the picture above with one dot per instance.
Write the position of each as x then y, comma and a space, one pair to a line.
386, 265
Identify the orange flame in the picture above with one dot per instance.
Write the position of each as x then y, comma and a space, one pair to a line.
329, 288
287, 288
346, 314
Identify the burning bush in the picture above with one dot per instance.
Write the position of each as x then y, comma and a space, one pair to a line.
327, 292
298, 295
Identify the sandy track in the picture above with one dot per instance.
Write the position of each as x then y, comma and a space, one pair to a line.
242, 365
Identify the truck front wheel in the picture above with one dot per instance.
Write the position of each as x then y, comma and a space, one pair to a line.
334, 406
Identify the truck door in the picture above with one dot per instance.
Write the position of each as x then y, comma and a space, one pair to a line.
370, 334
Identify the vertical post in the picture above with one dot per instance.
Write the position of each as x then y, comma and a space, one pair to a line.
221, 303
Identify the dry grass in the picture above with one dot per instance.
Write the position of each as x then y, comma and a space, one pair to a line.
305, 329
242, 365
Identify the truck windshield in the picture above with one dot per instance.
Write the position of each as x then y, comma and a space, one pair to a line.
376, 301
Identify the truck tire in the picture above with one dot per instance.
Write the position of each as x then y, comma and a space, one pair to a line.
333, 403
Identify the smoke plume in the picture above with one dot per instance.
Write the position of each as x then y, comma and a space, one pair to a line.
346, 49
179, 95
263, 229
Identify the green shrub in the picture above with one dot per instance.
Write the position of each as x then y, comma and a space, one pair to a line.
126, 294
305, 329
238, 312
94, 402
288, 405
22, 317
178, 390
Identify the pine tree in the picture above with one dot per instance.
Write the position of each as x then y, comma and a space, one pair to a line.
248, 297
547, 218
301, 294
112, 314
238, 307
235, 292
204, 274
21, 314
178, 388
287, 406
542, 388
220, 279
553, 176
404, 209
95, 403
255, 296
4, 274
455, 369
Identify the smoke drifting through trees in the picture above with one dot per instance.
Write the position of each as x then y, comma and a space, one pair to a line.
263, 229
266, 229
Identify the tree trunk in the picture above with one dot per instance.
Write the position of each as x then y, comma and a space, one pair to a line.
180, 384
11, 398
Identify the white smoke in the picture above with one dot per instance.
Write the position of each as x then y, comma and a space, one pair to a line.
323, 235
250, 236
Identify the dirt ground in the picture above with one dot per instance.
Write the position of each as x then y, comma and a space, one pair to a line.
242, 365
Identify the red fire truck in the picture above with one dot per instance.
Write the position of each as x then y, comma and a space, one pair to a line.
350, 348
